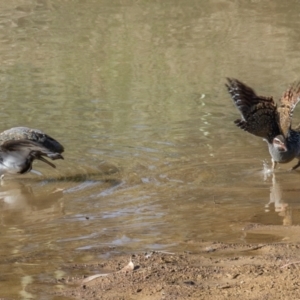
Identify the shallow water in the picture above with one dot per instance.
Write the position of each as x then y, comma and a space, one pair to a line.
135, 92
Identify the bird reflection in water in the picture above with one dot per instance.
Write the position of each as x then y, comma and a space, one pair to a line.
18, 203
280, 206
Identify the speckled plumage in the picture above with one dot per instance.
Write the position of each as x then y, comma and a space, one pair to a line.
35, 135
262, 117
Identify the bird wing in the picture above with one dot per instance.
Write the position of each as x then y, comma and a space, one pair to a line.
35, 135
288, 102
30, 151
259, 113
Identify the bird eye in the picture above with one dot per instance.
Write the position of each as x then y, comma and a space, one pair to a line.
277, 141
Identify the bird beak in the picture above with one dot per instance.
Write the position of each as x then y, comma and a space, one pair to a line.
283, 147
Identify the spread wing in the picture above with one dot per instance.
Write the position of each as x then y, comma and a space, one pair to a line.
288, 102
259, 114
26, 151
35, 135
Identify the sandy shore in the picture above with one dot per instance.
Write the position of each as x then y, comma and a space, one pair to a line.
217, 271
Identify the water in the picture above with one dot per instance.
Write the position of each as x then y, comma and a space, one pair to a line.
134, 90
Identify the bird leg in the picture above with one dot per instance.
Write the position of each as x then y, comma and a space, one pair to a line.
297, 165
274, 163
2, 179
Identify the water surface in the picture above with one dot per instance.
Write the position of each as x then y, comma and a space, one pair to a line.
134, 90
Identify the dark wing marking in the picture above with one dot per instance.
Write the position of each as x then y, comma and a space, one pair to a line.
35, 135
31, 151
259, 113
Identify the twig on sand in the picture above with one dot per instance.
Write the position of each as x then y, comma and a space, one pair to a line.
291, 263
127, 268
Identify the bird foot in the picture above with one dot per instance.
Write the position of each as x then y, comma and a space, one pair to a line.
296, 166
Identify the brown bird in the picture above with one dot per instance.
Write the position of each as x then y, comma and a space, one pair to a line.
262, 117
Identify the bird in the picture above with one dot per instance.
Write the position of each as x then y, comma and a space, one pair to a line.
17, 156
262, 117
35, 135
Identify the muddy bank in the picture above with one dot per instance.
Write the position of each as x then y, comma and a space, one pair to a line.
218, 271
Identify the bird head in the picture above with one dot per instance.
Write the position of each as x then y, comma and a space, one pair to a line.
279, 142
